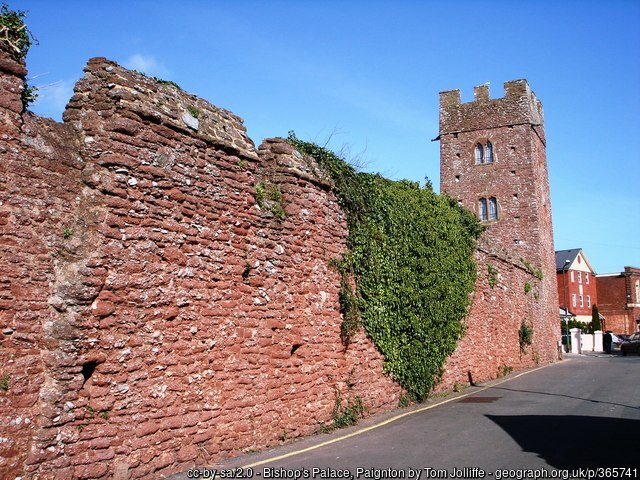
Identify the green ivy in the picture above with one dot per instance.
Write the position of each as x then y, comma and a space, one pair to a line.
269, 197
525, 335
14, 32
536, 272
346, 415
493, 275
410, 254
29, 95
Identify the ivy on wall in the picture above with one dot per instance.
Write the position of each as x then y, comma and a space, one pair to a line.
410, 254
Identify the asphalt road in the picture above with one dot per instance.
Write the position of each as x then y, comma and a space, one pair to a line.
583, 412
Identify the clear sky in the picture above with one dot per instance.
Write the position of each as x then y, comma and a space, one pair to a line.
366, 75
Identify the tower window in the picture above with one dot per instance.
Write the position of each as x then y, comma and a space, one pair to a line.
488, 152
483, 152
493, 208
479, 154
488, 209
483, 209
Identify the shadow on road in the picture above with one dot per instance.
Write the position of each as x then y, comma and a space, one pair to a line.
575, 441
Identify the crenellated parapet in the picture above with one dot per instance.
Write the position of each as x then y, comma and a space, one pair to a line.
519, 106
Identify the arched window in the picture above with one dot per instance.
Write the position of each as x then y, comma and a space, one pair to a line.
479, 157
488, 152
488, 209
482, 209
483, 152
493, 208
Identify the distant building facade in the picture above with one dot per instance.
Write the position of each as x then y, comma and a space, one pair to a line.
577, 287
619, 300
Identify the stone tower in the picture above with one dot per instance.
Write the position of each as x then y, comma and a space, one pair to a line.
493, 161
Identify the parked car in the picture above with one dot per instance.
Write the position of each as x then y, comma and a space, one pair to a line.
631, 345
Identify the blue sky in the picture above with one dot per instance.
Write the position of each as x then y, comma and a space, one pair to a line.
365, 75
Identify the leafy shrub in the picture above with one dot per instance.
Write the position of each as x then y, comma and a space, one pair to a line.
410, 253
14, 32
525, 335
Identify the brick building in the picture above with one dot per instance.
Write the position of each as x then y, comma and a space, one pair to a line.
619, 300
576, 281
493, 162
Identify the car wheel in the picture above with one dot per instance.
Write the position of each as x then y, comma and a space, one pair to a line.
624, 352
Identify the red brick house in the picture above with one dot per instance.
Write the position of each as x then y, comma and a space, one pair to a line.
619, 300
576, 283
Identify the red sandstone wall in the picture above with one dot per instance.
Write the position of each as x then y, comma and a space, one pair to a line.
491, 347
154, 316
179, 322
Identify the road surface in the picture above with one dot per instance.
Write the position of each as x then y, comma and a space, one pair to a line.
581, 413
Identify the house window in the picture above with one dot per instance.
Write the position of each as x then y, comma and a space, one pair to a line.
589, 301
637, 291
482, 205
586, 278
579, 277
572, 279
573, 299
493, 208
581, 301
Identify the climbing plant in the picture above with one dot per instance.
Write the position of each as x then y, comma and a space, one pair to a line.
14, 32
410, 255
17, 37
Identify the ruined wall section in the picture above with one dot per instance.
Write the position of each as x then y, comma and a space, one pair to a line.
161, 317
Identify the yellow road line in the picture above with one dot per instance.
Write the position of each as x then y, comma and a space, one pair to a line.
389, 420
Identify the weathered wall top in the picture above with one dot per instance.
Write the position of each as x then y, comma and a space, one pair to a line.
518, 106
107, 87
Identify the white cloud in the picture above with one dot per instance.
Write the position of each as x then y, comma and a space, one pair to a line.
146, 64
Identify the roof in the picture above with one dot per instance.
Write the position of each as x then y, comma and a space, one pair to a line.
563, 313
563, 255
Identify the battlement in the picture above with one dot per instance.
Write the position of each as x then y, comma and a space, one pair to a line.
518, 106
